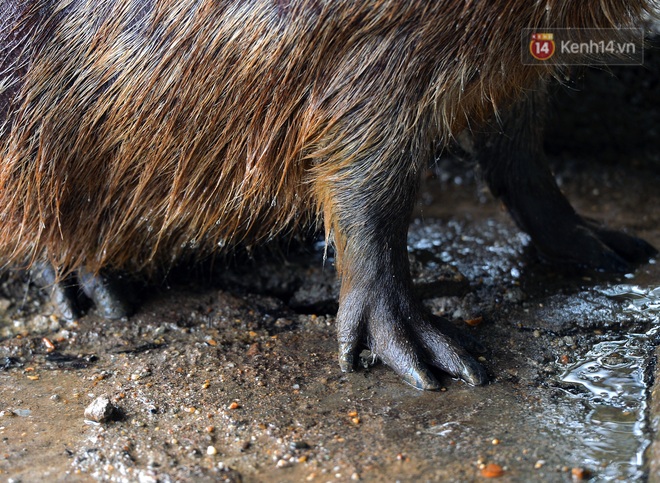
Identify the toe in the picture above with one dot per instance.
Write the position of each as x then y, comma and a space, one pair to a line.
398, 350
406, 364
446, 354
347, 352
105, 294
63, 297
419, 377
632, 249
350, 332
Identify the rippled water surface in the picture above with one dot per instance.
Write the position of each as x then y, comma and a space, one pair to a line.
611, 382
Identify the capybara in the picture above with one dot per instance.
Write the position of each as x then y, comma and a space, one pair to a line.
134, 133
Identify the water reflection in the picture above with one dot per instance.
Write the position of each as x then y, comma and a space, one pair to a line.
611, 381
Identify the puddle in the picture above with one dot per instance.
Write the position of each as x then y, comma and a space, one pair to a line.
610, 388
599, 421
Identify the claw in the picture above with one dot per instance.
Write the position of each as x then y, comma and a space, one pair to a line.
629, 248
473, 373
421, 378
346, 357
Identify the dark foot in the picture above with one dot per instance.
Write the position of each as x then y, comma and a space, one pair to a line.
105, 293
68, 294
632, 249
406, 339
599, 248
63, 292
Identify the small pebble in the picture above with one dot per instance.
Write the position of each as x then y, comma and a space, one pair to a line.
211, 451
579, 474
294, 445
492, 470
100, 410
539, 464
474, 322
50, 347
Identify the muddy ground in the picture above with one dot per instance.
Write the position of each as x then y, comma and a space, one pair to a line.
231, 374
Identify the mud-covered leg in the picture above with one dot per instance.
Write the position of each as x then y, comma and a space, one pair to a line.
63, 292
511, 155
368, 212
103, 290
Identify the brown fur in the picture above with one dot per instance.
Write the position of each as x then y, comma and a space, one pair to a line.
135, 132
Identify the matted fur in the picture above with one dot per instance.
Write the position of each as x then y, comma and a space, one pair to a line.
133, 132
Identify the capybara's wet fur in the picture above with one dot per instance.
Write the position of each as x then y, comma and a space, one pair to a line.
133, 133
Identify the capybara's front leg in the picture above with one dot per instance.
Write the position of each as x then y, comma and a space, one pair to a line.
367, 204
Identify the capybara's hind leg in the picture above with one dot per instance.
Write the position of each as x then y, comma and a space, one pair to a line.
510, 153
63, 292
367, 212
106, 294
66, 293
